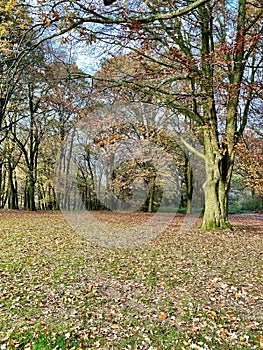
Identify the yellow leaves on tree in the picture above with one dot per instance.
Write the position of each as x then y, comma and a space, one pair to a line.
13, 19
5, 8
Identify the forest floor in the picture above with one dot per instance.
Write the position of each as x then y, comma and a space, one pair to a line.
185, 289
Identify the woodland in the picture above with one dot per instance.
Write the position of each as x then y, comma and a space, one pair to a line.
125, 110
189, 77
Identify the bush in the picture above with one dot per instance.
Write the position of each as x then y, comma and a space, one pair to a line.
247, 204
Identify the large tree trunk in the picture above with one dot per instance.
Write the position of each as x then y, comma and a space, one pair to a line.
216, 201
217, 185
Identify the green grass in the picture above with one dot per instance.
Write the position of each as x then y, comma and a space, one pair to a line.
184, 290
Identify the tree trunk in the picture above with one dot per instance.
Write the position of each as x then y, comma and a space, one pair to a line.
151, 195
189, 185
2, 185
216, 189
31, 192
215, 214
13, 196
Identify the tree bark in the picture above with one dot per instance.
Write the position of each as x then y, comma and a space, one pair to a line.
189, 185
13, 196
31, 192
217, 185
151, 194
216, 200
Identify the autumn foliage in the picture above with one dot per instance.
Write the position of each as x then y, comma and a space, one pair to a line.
250, 161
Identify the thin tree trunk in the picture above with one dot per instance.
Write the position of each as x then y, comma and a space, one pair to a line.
189, 185
31, 193
151, 196
13, 198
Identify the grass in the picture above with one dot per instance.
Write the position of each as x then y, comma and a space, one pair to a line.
183, 290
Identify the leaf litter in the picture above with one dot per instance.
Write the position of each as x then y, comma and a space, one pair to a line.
184, 290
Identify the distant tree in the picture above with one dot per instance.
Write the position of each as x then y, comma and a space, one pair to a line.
250, 161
